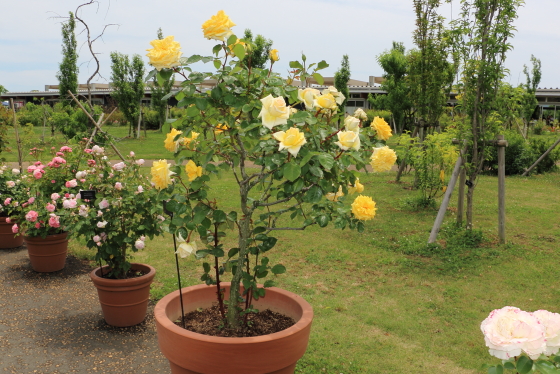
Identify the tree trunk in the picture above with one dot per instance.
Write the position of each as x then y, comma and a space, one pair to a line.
470, 200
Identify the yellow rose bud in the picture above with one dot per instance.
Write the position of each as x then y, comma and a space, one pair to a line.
382, 128
187, 141
161, 175
442, 175
347, 140
307, 96
220, 128
218, 27
334, 196
274, 55
165, 54
170, 143
357, 188
364, 208
383, 159
192, 170
325, 101
274, 111
292, 140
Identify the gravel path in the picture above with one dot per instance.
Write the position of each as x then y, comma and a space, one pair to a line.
52, 323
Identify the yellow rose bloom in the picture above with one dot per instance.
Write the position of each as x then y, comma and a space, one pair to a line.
348, 140
357, 188
192, 170
292, 140
170, 144
218, 27
325, 101
360, 114
352, 123
383, 159
161, 175
187, 141
165, 54
274, 55
334, 196
338, 96
382, 128
220, 128
231, 53
364, 208
274, 111
307, 96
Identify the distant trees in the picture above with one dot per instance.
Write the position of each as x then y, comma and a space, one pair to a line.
341, 78
127, 79
68, 69
3, 90
260, 53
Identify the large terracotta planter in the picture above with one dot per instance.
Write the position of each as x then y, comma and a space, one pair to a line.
192, 353
47, 254
7, 238
124, 301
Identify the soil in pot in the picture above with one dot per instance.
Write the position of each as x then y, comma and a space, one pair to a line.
209, 321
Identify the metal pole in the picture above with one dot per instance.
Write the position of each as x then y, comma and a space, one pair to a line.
461, 197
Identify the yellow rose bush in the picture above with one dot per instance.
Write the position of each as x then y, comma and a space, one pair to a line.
292, 167
165, 54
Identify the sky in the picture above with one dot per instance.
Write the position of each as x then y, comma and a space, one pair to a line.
30, 34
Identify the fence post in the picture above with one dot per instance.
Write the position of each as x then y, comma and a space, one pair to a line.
501, 144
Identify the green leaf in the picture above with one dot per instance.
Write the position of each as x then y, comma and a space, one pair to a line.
232, 252
546, 367
206, 267
509, 365
314, 195
322, 220
201, 103
232, 40
319, 78
269, 283
217, 48
151, 74
192, 111
219, 216
326, 160
498, 369
292, 171
217, 64
322, 65
163, 76
296, 65
239, 51
524, 365
278, 269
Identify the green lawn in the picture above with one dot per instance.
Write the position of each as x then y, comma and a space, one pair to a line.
385, 302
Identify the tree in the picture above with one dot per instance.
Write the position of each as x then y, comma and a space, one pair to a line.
341, 78
529, 100
128, 85
482, 35
395, 65
159, 91
259, 54
3, 90
430, 75
68, 69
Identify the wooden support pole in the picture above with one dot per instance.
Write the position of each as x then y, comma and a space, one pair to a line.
18, 140
461, 197
540, 158
501, 189
446, 197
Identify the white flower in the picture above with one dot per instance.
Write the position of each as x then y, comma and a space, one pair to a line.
119, 166
83, 211
140, 162
360, 114
185, 248
139, 244
352, 124
99, 213
101, 224
551, 322
98, 150
140, 189
96, 238
81, 175
347, 140
10, 184
104, 204
161, 218
15, 171
132, 154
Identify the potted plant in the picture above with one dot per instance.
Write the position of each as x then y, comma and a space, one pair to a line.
288, 161
46, 213
13, 193
116, 211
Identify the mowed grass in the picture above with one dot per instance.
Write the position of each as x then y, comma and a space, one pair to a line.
384, 301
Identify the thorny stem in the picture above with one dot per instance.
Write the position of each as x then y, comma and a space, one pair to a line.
217, 268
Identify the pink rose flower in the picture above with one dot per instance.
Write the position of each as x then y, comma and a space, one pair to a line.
71, 184
59, 154
15, 228
96, 238
140, 162
7, 201
140, 189
65, 148
118, 186
31, 216
104, 204
55, 196
91, 162
139, 244
37, 225
31, 200
510, 331
38, 173
10, 184
54, 221
70, 204
132, 154
50, 208
8, 220
88, 150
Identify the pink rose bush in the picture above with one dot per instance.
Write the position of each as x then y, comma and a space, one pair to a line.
522, 339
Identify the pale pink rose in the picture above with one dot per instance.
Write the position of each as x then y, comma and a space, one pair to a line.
99, 213
111, 175
142, 238
81, 175
551, 322
70, 204
31, 168
83, 211
10, 184
91, 162
139, 244
15, 171
97, 150
132, 154
15, 228
510, 331
72, 183
140, 162
103, 236
38, 173
55, 196
140, 189
119, 166
65, 148
118, 186
8, 220
54, 221
101, 224
31, 200
96, 238
104, 204
50, 207
8, 201
31, 216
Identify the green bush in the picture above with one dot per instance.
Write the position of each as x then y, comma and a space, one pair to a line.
385, 114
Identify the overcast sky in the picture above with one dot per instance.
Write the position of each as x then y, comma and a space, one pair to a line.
30, 36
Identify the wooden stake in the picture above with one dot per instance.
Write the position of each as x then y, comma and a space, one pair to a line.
18, 140
540, 158
501, 189
461, 197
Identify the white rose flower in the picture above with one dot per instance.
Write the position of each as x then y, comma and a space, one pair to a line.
348, 140
352, 124
551, 322
101, 224
185, 248
15, 171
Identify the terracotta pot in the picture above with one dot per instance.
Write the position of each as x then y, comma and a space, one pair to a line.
47, 254
124, 301
7, 238
192, 353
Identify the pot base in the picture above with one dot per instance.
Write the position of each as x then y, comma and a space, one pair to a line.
175, 369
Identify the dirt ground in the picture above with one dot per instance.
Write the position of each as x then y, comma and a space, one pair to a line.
52, 323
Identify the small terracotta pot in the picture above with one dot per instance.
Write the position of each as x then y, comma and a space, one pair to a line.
47, 254
192, 353
7, 238
124, 301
